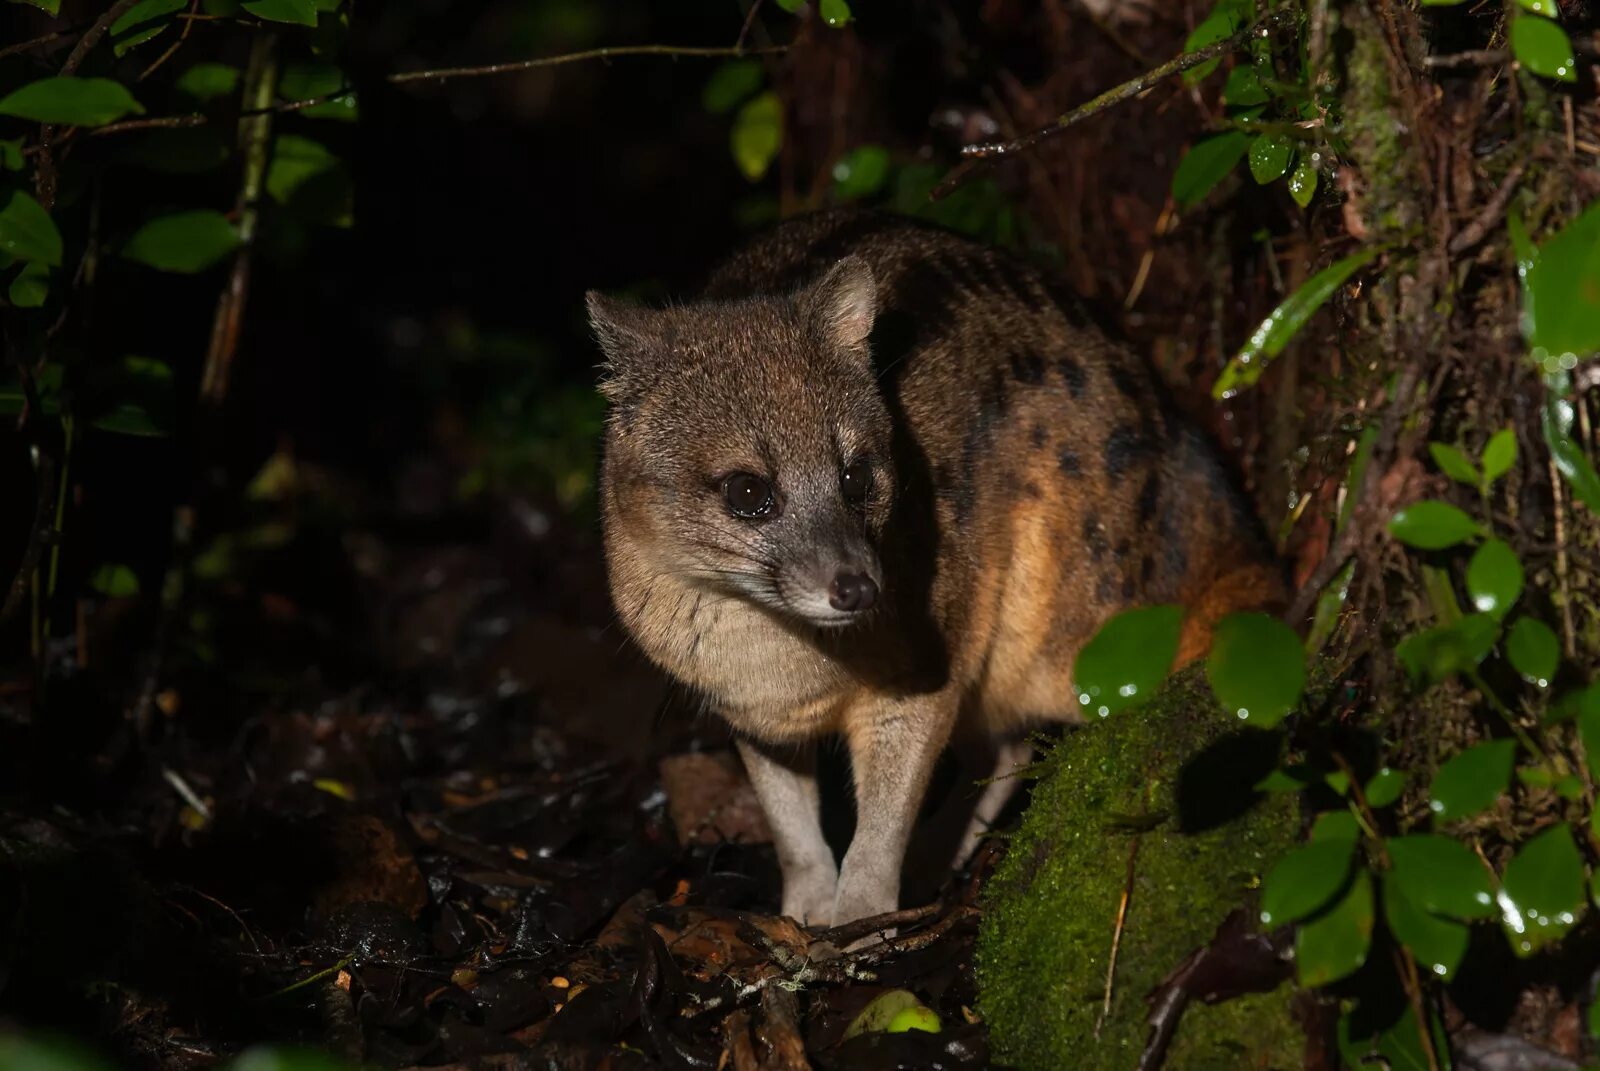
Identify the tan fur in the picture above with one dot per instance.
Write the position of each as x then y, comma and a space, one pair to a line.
1029, 480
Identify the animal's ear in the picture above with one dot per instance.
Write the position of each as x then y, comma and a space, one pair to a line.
842, 304
627, 335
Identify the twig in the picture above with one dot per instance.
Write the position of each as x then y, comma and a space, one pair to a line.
1116, 938
749, 21
992, 150
1493, 214
23, 46
45, 169
1478, 57
39, 537
610, 52
853, 931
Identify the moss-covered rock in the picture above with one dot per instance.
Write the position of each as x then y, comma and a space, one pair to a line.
1176, 776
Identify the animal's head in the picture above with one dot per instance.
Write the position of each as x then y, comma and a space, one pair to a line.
747, 446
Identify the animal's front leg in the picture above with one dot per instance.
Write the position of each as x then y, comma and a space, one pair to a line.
893, 747
787, 789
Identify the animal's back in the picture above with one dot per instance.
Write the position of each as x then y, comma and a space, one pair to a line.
1044, 480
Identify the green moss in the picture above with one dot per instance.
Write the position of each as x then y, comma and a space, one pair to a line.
1176, 776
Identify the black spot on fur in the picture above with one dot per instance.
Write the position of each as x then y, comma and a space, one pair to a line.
1105, 587
1147, 569
1128, 588
1072, 374
1018, 283
1068, 460
1027, 368
1124, 446
1120, 551
1040, 435
1127, 382
1031, 489
1149, 497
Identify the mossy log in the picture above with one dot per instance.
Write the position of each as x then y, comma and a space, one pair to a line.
1158, 802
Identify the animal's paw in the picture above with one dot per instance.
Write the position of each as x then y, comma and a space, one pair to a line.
808, 896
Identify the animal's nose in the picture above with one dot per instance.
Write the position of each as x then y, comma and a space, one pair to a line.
852, 592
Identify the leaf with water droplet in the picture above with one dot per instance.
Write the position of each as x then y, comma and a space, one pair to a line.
1275, 332
1385, 787
1269, 157
860, 172
1533, 649
1494, 577
1437, 943
1442, 875
1303, 183
1454, 463
1433, 525
1543, 47
1257, 668
1499, 454
1573, 464
1471, 781
1226, 19
1542, 892
1243, 87
1127, 659
1541, 7
1334, 944
835, 13
1305, 880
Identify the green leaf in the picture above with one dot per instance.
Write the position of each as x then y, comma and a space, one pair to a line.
46, 1054
1305, 880
1441, 875
207, 81
1546, 8
140, 23
71, 101
10, 154
183, 242
1561, 286
1555, 420
1303, 183
1541, 893
1207, 164
279, 1059
1335, 825
1269, 157
1454, 464
835, 13
1543, 47
1284, 322
757, 135
1225, 20
294, 160
1494, 577
1437, 654
1437, 943
1384, 788
1334, 944
141, 399
1587, 702
1433, 525
897, 1007
30, 286
52, 8
116, 581
1243, 87
1470, 782
730, 84
1339, 781
861, 172
1257, 668
1127, 659
1287, 779
1499, 454
1534, 651
183, 151
305, 81
791, 6
27, 232
299, 12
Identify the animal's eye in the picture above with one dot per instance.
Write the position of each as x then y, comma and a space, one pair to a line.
855, 483
747, 496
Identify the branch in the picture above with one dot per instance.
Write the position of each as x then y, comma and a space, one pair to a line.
23, 46
579, 57
45, 169
982, 153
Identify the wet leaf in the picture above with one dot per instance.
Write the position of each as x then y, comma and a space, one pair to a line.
835, 13
1269, 157
1226, 19
1561, 286
1543, 47
298, 12
894, 1012
207, 81
1542, 891
1257, 668
860, 172
50, 7
1494, 577
1385, 787
1127, 659
1303, 183
1540, 7
1587, 703
1433, 525
1454, 463
757, 135
1441, 875
1499, 454
1437, 943
183, 242
1439, 653
1243, 87
27, 232
1275, 332
71, 101
1207, 164
134, 26
1399, 1046
1305, 880
1334, 944
30, 286
730, 84
1533, 649
1573, 464
1470, 782
116, 581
